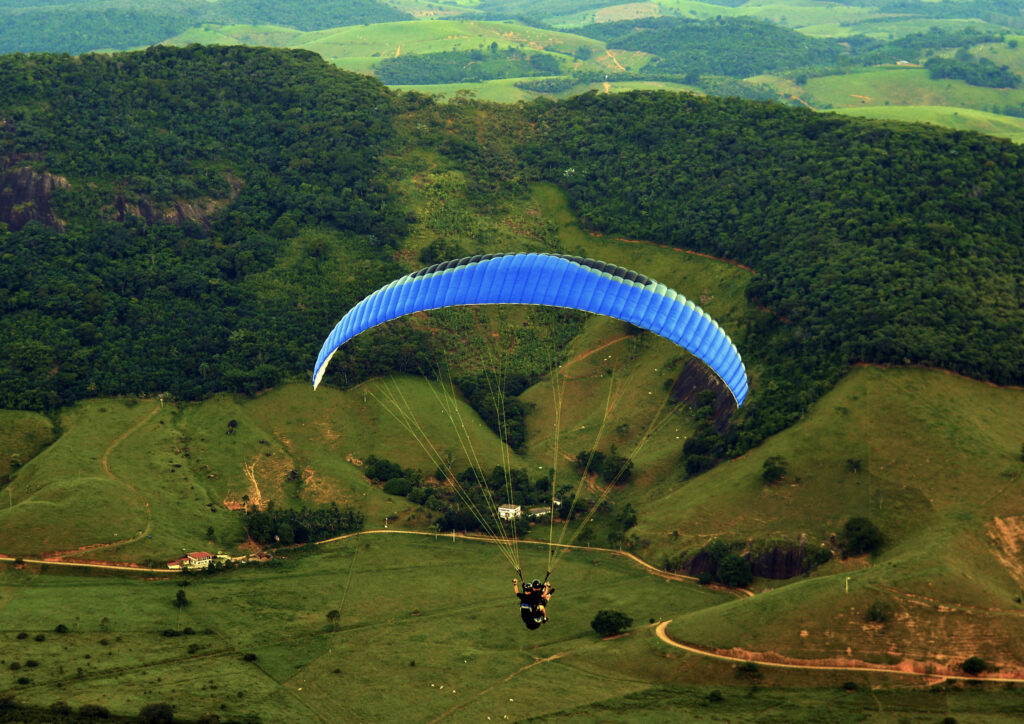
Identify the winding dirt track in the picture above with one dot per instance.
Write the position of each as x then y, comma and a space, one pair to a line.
863, 667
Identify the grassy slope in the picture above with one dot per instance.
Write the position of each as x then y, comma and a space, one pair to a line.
362, 44
904, 87
22, 436
940, 462
169, 465
401, 631
964, 119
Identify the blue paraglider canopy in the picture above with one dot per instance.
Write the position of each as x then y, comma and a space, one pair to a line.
551, 280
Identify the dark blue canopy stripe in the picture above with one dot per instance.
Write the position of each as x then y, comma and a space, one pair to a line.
548, 280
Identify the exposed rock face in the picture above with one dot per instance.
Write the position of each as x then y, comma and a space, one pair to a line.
696, 377
778, 563
702, 563
196, 211
25, 196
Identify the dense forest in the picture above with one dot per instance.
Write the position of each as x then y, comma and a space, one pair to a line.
973, 71
737, 47
111, 24
872, 241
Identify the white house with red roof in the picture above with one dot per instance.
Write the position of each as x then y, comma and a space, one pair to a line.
200, 559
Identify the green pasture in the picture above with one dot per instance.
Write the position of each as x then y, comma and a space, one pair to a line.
631, 11
807, 16
1003, 54
70, 495
896, 27
265, 35
402, 629
904, 87
502, 90
386, 40
961, 119
403, 635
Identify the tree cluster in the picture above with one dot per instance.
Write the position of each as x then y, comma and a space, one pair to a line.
465, 66
286, 526
973, 71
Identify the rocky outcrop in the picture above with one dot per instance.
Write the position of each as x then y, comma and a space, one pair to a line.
180, 212
697, 377
25, 196
778, 562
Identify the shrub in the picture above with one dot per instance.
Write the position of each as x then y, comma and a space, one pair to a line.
609, 623
93, 711
974, 665
249, 657
22, 635
860, 535
705, 578
715, 695
24, 680
818, 557
40, 637
61, 628
849, 686
773, 470
879, 612
156, 714
734, 571
748, 668
31, 663
398, 486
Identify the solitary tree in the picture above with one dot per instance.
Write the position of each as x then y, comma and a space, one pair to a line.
181, 600
974, 665
332, 617
609, 623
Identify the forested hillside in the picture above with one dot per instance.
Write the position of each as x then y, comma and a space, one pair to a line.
258, 144
871, 242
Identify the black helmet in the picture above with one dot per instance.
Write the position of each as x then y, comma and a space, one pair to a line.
536, 583
527, 585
